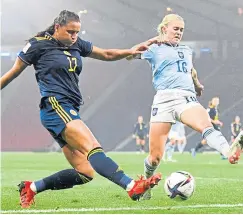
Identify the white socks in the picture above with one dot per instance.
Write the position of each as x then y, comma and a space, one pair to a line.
216, 140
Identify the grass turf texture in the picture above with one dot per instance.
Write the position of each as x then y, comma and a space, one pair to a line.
219, 186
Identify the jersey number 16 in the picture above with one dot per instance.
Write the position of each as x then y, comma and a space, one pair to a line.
181, 65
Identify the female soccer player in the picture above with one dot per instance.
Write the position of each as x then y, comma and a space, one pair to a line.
177, 137
56, 56
236, 128
140, 132
176, 83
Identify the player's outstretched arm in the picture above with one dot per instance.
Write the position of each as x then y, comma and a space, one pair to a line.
198, 86
116, 54
154, 40
14, 72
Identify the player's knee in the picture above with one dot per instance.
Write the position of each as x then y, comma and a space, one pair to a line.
89, 146
95, 144
203, 125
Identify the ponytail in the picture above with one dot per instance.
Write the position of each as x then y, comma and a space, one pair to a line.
49, 30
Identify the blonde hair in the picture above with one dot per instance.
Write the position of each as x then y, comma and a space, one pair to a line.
213, 99
216, 97
165, 21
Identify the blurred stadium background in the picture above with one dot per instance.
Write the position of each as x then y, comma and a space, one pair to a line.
116, 93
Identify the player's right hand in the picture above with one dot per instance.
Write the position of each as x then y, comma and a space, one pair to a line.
139, 49
154, 40
221, 124
199, 89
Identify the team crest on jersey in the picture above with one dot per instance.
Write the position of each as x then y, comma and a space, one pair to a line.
181, 55
154, 111
67, 53
73, 112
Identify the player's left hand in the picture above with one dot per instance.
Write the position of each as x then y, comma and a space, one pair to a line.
137, 50
199, 89
140, 48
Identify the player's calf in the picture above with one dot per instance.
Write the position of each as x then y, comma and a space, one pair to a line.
60, 180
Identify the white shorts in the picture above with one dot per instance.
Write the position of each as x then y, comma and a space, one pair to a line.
168, 105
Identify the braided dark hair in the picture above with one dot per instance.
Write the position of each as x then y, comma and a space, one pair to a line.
64, 18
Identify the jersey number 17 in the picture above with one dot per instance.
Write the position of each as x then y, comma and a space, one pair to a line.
72, 63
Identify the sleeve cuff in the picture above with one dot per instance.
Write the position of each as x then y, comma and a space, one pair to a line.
90, 51
24, 60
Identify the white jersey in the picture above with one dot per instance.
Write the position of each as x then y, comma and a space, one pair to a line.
171, 67
177, 131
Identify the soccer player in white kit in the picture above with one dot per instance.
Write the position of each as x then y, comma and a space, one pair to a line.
176, 84
180, 136
176, 137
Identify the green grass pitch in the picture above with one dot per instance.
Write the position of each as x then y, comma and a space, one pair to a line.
219, 186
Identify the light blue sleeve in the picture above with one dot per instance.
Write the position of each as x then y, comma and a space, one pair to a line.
149, 54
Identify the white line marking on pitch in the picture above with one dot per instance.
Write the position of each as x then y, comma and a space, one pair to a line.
123, 209
221, 179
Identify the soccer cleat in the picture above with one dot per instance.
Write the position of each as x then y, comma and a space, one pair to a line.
142, 185
236, 148
26, 194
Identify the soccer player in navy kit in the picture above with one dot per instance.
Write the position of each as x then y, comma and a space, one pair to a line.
140, 132
56, 56
236, 128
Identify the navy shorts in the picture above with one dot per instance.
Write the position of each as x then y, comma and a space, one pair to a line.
141, 136
55, 114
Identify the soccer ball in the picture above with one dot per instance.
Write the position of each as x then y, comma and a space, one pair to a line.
179, 185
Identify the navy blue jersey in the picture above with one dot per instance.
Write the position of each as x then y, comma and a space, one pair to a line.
140, 129
214, 115
236, 127
57, 67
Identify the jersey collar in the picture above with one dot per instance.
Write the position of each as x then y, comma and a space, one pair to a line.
171, 45
50, 37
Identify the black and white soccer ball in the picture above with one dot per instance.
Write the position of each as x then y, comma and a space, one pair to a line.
179, 185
